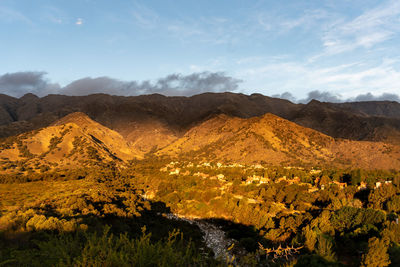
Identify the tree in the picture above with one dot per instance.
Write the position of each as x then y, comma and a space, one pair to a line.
325, 180
325, 248
376, 255
380, 195
393, 205
311, 238
356, 176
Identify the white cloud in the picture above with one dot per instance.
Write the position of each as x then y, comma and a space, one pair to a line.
373, 27
54, 15
79, 21
10, 15
348, 79
144, 16
276, 23
214, 31
308, 19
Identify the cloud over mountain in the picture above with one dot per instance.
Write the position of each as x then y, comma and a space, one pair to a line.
171, 85
20, 83
370, 97
325, 96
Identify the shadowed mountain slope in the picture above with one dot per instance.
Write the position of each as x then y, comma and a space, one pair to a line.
343, 122
163, 119
389, 109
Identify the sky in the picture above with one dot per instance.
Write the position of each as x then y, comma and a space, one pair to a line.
334, 50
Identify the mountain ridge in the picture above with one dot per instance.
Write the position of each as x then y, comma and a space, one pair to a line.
78, 140
73, 142
274, 140
172, 117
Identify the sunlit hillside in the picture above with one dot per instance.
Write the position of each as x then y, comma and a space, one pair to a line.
182, 133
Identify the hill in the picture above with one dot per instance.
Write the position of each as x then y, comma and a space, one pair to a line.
72, 142
274, 140
349, 121
389, 109
171, 117
77, 141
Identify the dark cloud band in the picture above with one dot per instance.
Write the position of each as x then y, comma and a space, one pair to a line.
336, 98
20, 83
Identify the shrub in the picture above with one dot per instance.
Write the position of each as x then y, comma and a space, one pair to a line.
325, 248
106, 249
376, 254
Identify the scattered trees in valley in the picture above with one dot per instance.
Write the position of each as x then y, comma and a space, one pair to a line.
332, 216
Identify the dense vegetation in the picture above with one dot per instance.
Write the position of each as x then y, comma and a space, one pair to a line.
276, 216
337, 215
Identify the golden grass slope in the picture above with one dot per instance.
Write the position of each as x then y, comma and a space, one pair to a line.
148, 135
74, 141
105, 137
274, 140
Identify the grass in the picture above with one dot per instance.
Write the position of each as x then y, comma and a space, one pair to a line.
15, 196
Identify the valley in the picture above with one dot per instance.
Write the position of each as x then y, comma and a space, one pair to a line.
219, 187
153, 133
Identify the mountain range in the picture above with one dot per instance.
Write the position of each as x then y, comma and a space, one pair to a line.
83, 130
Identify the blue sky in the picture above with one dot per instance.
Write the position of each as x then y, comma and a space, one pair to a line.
345, 47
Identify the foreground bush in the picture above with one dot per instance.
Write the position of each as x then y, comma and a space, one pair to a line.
106, 249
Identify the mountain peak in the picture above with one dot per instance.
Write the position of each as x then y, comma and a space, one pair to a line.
314, 102
78, 118
270, 116
29, 97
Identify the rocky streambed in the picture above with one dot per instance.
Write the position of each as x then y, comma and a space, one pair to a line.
213, 237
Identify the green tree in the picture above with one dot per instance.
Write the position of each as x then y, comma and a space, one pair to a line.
325, 248
393, 205
376, 255
311, 238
